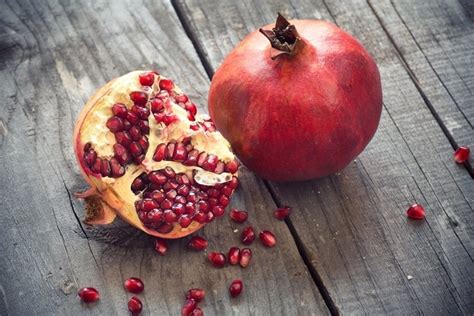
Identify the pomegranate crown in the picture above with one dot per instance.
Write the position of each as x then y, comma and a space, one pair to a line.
282, 37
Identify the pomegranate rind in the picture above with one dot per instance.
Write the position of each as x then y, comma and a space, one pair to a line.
112, 196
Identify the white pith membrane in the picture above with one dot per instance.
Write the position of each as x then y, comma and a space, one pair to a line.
115, 192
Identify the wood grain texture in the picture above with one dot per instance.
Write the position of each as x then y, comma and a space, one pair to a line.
352, 225
54, 55
435, 40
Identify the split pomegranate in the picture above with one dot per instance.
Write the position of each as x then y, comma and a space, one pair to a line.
88, 294
313, 94
461, 155
135, 305
267, 238
151, 159
236, 288
416, 211
134, 285
197, 243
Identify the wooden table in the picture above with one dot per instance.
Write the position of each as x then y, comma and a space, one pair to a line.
348, 247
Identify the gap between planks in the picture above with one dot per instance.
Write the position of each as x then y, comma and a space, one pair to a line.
294, 234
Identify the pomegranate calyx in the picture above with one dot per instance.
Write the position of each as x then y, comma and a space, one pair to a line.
283, 37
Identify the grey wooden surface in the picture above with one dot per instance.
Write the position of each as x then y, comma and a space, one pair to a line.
348, 247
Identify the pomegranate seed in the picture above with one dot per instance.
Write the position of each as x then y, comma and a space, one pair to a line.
248, 235
169, 118
138, 184
169, 172
169, 215
132, 118
161, 246
232, 166
189, 305
282, 213
166, 84
171, 194
184, 221
190, 209
226, 190
194, 126
135, 133
233, 255
126, 125
198, 243
146, 79
200, 217
197, 312
234, 183
120, 110
217, 259
267, 238
121, 154
180, 153
117, 169
134, 285
141, 111
123, 138
220, 167
218, 210
416, 211
88, 294
223, 200
183, 189
238, 216
139, 97
165, 229
196, 294
97, 165
180, 199
155, 216
210, 163
236, 288
105, 169
156, 105
114, 124
90, 156
135, 305
144, 126
135, 149
209, 217
149, 204
144, 143
160, 152
192, 158
245, 256
170, 150
461, 154
178, 209
203, 206
157, 177
181, 98
157, 195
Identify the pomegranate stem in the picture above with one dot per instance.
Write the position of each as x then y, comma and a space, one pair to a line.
282, 37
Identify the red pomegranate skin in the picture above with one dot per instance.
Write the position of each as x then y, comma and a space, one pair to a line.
302, 116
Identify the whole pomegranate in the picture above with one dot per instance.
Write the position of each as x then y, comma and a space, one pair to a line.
300, 107
150, 159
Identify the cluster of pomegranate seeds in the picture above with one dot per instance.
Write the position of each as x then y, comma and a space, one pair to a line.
197, 243
416, 211
89, 294
267, 238
161, 246
461, 155
169, 197
282, 213
238, 216
185, 153
236, 288
190, 307
135, 305
134, 285
248, 235
217, 259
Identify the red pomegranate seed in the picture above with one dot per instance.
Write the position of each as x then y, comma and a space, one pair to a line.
194, 126
196, 294
217, 259
134, 285
146, 79
197, 243
234, 183
120, 110
161, 246
139, 98
169, 172
160, 152
105, 169
197, 312
144, 143
114, 124
135, 133
156, 105
223, 200
267, 238
141, 111
97, 165
166, 84
232, 166
181, 98
210, 163
226, 190
191, 108
200, 217
123, 138
248, 235
165, 204
282, 213
184, 221
88, 294
180, 153
138, 184
135, 305
245, 256
149, 204
192, 158
416, 211
90, 156
169, 118
212, 202
117, 169
461, 154
233, 255
138, 160
178, 209
132, 118
155, 216
121, 154
203, 206
218, 210
209, 217
236, 288
189, 306
157, 177
165, 228
238, 216
183, 190
169, 215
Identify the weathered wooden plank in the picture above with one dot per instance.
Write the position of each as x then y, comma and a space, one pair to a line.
436, 40
53, 56
352, 225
